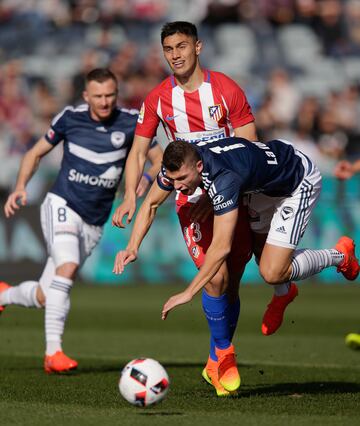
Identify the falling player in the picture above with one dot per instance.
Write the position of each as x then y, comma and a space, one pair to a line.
282, 186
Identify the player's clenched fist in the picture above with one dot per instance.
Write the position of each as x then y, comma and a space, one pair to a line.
14, 201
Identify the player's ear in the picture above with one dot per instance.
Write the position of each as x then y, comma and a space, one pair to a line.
198, 47
199, 166
85, 96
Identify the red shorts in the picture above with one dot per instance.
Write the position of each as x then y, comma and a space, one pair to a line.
198, 236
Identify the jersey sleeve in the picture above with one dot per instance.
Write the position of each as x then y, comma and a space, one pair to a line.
57, 130
148, 119
225, 192
239, 109
163, 182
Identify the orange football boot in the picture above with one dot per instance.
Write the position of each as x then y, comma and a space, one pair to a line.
350, 266
3, 286
229, 376
59, 363
274, 314
210, 374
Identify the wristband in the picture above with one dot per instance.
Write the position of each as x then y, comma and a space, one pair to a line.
148, 178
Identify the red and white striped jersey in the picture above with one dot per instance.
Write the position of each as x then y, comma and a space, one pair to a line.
209, 113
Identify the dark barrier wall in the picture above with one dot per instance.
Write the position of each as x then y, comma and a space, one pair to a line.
163, 257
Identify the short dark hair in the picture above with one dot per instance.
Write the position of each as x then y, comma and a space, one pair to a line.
100, 75
182, 27
176, 153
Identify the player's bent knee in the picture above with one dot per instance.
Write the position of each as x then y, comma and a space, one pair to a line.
218, 284
40, 296
273, 275
67, 270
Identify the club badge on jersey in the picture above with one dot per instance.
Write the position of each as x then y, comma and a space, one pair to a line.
216, 112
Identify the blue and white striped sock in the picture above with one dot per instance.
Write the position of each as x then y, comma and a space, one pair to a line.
57, 307
306, 262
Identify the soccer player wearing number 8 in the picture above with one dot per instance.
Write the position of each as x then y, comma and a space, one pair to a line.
97, 138
282, 186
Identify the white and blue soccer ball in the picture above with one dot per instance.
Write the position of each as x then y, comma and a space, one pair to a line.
144, 382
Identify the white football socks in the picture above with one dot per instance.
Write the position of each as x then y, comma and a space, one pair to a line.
23, 294
306, 262
56, 310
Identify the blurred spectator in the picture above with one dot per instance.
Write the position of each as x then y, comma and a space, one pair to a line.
285, 97
307, 118
90, 59
332, 140
119, 34
352, 18
330, 27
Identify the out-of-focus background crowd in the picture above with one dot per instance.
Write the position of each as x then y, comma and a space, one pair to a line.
297, 60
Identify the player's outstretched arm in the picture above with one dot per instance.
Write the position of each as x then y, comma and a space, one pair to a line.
155, 155
223, 234
28, 167
133, 171
145, 217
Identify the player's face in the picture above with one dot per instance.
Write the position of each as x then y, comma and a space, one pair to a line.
101, 98
181, 53
187, 178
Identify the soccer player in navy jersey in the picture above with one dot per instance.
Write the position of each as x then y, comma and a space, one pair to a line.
281, 186
97, 138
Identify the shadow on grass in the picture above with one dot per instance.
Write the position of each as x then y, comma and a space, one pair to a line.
111, 367
299, 389
160, 413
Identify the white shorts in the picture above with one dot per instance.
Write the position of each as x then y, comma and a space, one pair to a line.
285, 218
68, 237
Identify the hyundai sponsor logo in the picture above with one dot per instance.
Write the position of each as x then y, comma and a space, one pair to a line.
223, 205
218, 199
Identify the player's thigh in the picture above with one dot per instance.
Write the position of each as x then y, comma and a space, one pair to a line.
292, 214
89, 238
61, 228
241, 249
197, 235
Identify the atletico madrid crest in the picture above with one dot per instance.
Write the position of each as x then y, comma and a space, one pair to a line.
216, 112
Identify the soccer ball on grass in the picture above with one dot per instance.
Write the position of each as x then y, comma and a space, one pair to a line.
144, 382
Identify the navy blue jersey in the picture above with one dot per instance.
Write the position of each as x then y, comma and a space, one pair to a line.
94, 159
234, 166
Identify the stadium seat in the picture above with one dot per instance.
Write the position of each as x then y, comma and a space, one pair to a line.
117, 36
299, 45
352, 68
236, 45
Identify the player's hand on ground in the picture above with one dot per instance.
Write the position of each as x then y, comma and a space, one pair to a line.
201, 210
343, 170
127, 207
14, 201
142, 187
122, 259
178, 299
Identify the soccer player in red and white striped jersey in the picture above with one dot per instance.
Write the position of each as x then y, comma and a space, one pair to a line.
196, 105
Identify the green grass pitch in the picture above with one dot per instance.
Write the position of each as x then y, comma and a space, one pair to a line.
302, 375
